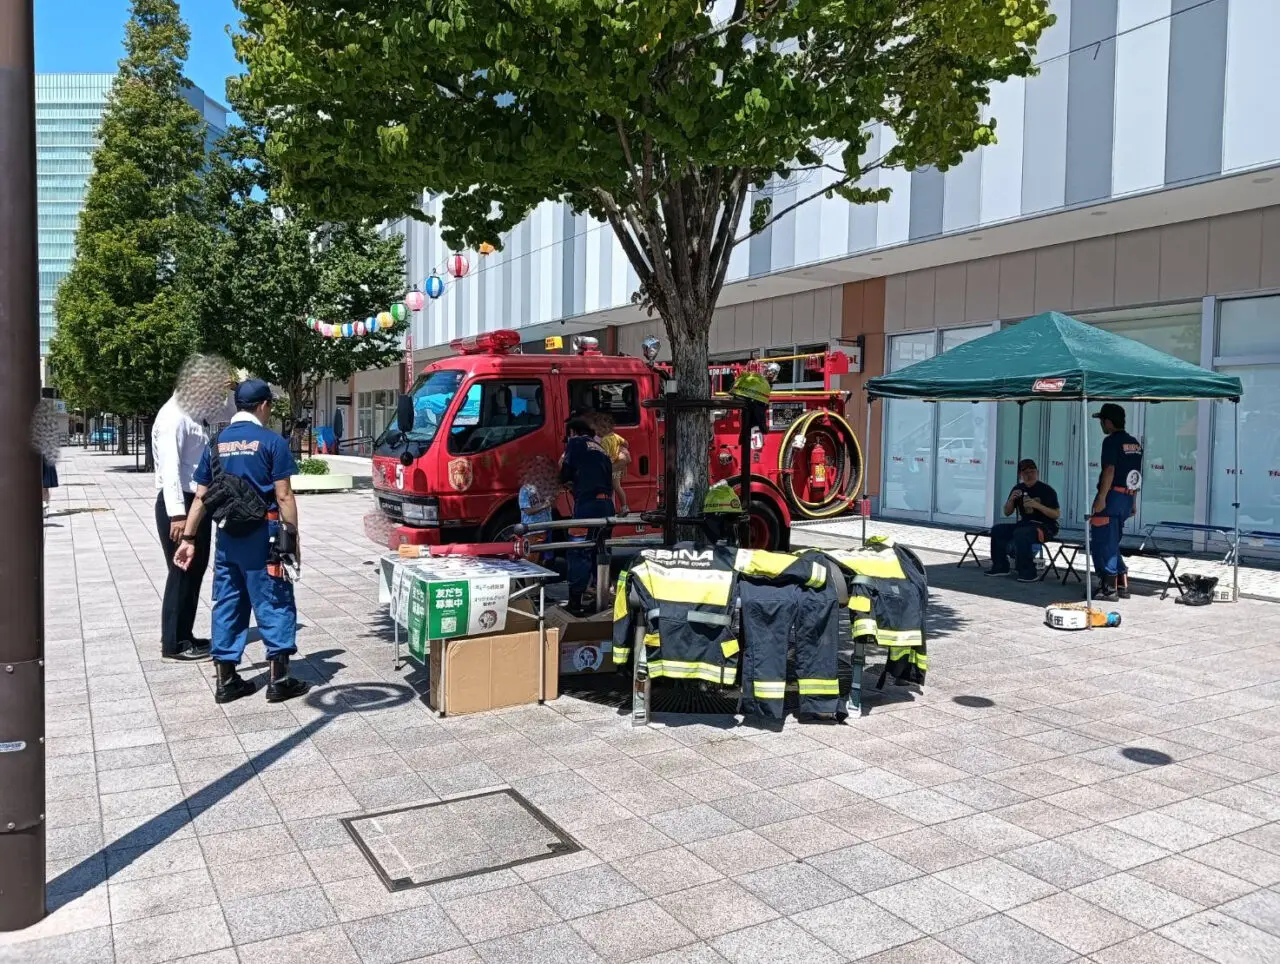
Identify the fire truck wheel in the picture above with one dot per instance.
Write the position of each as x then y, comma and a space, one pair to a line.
765, 530
501, 527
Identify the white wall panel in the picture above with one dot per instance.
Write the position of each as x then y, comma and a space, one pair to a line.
893, 223
1001, 181
1142, 95
1251, 122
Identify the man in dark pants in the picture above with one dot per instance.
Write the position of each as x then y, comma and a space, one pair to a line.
587, 469
177, 442
1118, 485
1037, 506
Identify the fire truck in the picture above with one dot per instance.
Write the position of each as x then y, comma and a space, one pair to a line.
490, 419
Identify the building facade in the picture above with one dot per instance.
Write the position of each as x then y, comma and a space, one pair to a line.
68, 112
1135, 184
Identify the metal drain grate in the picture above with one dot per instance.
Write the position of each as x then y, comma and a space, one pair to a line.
434, 842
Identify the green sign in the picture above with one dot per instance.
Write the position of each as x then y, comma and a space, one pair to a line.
447, 607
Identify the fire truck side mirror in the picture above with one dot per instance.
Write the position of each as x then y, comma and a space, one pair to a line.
404, 414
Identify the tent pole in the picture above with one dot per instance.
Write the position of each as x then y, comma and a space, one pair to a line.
1235, 505
1021, 406
1088, 520
866, 471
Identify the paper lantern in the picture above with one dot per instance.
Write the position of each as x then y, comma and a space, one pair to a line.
434, 286
399, 312
415, 300
371, 324
348, 330
337, 331
486, 248
360, 329
459, 265
385, 320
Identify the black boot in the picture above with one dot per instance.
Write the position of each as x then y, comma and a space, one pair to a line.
1107, 591
281, 686
231, 685
576, 607
1122, 586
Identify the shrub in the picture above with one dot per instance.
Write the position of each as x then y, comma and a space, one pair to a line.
313, 467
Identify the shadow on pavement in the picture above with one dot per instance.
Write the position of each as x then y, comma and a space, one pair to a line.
333, 701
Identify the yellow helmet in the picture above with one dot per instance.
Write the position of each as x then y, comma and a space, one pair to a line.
721, 499
752, 386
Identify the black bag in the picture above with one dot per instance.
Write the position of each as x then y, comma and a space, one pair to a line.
232, 501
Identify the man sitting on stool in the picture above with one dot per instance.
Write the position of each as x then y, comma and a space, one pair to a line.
1037, 506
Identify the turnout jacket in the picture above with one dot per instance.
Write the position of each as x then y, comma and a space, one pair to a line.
686, 599
888, 596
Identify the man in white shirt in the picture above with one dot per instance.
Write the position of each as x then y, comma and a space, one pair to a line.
178, 441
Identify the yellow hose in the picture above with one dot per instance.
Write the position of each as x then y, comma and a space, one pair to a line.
835, 504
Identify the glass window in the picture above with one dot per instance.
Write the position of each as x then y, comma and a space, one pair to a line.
1249, 326
431, 397
1259, 458
615, 398
961, 488
494, 413
908, 433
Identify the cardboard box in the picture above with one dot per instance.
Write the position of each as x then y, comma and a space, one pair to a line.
489, 672
586, 645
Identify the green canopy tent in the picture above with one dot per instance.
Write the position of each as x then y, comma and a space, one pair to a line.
1053, 357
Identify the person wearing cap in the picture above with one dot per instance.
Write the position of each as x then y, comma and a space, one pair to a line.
1037, 506
585, 467
242, 582
1118, 483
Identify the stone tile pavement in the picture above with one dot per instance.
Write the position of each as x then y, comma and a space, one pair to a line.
1111, 797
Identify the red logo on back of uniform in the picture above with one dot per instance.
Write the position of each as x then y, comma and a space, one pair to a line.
1049, 384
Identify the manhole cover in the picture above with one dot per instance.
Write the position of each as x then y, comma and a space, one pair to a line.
435, 842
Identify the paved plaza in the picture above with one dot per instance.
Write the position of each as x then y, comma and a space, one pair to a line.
1111, 796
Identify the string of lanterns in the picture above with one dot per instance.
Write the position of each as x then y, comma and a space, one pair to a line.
457, 266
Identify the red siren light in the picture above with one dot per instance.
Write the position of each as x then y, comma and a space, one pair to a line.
495, 342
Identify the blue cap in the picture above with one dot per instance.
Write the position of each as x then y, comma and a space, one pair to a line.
252, 392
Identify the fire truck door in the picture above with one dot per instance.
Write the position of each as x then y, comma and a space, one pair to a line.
619, 398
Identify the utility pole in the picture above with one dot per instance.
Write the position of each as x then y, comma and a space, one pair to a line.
22, 830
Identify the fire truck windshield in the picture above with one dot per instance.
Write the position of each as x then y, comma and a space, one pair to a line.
432, 396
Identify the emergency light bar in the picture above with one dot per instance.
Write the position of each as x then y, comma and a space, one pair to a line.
495, 342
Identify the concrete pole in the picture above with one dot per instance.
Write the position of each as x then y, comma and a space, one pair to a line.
22, 840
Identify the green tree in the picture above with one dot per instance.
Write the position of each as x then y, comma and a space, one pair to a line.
266, 267
663, 118
125, 319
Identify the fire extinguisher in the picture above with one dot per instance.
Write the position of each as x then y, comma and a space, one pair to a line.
817, 470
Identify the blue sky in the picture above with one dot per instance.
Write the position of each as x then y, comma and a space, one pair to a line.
88, 35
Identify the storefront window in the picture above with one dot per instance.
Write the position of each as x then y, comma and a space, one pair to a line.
1248, 328
961, 488
908, 433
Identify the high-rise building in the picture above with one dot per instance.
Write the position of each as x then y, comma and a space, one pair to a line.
68, 111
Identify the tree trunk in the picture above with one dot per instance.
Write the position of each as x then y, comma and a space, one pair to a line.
148, 456
693, 429
122, 435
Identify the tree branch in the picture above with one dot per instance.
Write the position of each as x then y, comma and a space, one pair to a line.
777, 216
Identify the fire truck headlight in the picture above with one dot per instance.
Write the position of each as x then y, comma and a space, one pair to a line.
422, 513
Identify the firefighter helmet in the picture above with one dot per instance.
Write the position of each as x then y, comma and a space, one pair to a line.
752, 386
721, 499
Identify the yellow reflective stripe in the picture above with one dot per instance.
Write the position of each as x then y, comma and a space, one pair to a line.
620, 598
819, 687
678, 669
921, 659
697, 587
864, 627
652, 639
899, 637
620, 656
730, 648
860, 604
769, 691
817, 578
876, 565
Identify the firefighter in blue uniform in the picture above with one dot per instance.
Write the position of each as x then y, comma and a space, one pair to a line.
588, 471
1118, 485
248, 574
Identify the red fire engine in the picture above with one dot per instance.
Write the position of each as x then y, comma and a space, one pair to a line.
489, 420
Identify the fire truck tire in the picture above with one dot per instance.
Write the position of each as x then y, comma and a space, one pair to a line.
499, 528
765, 530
